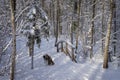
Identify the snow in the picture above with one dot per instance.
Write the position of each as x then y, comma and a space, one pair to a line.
64, 68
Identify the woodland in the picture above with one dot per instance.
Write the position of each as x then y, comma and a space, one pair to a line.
59, 39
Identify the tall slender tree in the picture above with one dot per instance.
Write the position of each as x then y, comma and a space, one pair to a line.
77, 34
13, 9
73, 27
50, 9
92, 29
53, 16
115, 36
57, 23
103, 3
107, 40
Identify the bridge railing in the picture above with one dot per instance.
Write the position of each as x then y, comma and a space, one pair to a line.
67, 48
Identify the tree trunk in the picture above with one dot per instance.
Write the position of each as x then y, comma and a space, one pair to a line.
77, 33
53, 17
107, 40
92, 29
58, 15
103, 2
50, 10
72, 50
73, 27
12, 68
115, 36
57, 24
31, 49
43, 2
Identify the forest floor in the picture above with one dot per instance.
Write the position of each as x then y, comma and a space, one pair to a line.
64, 68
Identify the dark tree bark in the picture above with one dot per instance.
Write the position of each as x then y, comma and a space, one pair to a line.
73, 27
92, 29
31, 48
50, 10
53, 16
57, 23
115, 36
77, 34
103, 2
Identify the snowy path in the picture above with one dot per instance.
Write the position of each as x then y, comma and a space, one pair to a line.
64, 68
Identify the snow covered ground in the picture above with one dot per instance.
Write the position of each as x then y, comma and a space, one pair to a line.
64, 68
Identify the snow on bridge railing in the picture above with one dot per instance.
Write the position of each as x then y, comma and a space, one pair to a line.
65, 41
66, 49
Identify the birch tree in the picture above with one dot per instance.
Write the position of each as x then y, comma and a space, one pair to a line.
107, 40
13, 7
